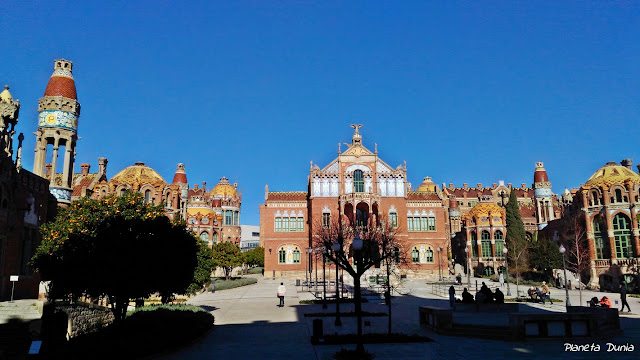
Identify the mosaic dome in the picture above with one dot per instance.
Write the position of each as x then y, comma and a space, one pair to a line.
486, 209
427, 185
138, 173
224, 189
611, 174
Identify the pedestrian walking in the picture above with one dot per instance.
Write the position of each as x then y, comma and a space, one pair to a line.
282, 291
501, 280
452, 297
623, 297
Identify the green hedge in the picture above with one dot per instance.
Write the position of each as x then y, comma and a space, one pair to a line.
222, 284
256, 270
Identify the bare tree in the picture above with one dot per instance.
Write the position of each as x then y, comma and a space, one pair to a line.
516, 252
574, 234
374, 245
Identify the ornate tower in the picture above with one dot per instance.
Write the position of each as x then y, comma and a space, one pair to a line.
9, 110
58, 126
542, 196
180, 179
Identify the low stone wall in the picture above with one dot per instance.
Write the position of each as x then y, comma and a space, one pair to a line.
84, 318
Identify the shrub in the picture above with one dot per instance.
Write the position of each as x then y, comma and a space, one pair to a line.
256, 270
147, 331
222, 284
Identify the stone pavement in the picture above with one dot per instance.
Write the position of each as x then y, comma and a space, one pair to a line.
249, 325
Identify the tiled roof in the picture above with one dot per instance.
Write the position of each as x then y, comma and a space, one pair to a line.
485, 209
612, 174
287, 196
420, 195
61, 86
83, 183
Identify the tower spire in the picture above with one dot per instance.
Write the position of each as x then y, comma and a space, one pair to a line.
59, 110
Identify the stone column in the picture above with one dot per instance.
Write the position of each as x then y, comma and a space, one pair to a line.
607, 201
635, 232
41, 156
67, 173
54, 161
550, 207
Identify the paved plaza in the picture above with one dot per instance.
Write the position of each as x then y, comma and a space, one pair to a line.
249, 325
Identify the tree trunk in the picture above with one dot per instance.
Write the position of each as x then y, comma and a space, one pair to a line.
388, 295
358, 294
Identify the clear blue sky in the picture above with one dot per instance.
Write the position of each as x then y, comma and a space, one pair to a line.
463, 91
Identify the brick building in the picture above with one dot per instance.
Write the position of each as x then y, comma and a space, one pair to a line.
25, 204
358, 188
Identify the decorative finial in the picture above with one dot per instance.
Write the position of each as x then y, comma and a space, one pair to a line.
339, 151
376, 147
356, 138
6, 87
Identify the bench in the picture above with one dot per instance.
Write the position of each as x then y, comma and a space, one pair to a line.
436, 317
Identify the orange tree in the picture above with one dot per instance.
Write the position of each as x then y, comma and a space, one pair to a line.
119, 247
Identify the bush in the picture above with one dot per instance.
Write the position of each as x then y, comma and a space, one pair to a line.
256, 270
147, 331
222, 284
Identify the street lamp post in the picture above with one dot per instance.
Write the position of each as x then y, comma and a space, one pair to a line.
506, 268
308, 276
466, 251
324, 279
564, 267
438, 249
336, 249
316, 262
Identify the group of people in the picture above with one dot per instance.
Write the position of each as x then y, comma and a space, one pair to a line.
543, 293
484, 296
606, 302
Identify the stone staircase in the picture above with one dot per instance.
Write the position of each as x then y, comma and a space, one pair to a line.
25, 310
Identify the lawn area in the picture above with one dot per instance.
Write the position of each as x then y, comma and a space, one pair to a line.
146, 331
223, 284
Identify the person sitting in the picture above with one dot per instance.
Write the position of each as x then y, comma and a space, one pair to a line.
467, 298
480, 297
499, 296
459, 279
605, 302
533, 293
546, 293
488, 295
594, 302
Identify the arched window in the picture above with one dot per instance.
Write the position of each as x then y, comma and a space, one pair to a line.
122, 191
168, 200
429, 257
474, 245
415, 255
215, 237
204, 236
358, 181
282, 256
622, 236
499, 240
600, 238
618, 195
595, 199
147, 196
296, 256
485, 243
